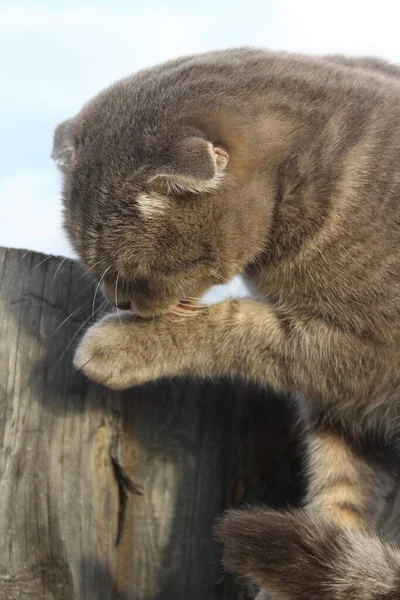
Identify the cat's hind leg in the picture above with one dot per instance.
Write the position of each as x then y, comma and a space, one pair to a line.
344, 485
328, 549
302, 556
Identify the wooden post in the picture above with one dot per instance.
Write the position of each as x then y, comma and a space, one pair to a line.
195, 448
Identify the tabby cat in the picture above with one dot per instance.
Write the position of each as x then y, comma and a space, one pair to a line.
285, 169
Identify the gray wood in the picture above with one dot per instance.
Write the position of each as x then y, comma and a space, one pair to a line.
194, 447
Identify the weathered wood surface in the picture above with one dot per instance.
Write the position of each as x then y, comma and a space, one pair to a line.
195, 448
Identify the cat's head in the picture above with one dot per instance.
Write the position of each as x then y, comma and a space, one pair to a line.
155, 202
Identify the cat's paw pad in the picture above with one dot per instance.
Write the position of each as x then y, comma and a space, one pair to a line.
106, 355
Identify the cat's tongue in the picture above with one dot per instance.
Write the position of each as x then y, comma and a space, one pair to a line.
181, 306
185, 307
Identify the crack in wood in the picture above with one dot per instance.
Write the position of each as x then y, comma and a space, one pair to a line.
125, 484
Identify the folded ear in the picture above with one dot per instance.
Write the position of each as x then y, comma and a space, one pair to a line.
193, 166
63, 149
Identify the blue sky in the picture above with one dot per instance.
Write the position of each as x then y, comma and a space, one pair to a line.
55, 56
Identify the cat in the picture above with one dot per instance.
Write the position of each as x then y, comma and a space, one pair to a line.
284, 169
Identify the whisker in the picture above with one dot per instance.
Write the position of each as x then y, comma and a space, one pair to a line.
42, 261
25, 253
70, 316
116, 300
97, 289
90, 269
102, 306
219, 276
56, 273
91, 284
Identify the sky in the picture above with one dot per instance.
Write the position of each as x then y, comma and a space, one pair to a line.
57, 55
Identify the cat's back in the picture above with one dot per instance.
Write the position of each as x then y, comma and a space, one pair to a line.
248, 79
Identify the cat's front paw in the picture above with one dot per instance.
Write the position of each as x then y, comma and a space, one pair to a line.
108, 354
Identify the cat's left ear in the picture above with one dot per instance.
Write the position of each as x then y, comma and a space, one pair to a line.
193, 166
63, 151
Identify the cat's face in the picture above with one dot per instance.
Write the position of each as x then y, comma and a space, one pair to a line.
151, 241
146, 202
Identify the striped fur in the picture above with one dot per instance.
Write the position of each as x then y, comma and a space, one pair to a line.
308, 211
301, 556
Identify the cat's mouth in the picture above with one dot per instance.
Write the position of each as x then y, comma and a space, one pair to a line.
181, 309
150, 307
185, 308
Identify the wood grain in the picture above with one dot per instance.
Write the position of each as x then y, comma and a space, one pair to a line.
195, 448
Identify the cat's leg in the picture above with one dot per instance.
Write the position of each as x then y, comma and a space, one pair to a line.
343, 484
343, 487
347, 493
238, 337
305, 557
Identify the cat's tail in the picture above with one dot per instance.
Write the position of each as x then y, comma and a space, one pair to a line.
304, 557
